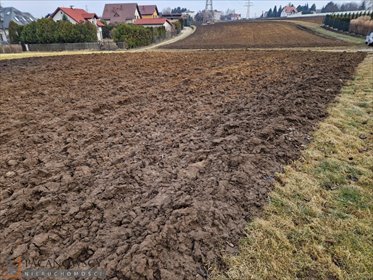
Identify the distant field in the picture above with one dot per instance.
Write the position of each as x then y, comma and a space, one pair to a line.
254, 35
317, 20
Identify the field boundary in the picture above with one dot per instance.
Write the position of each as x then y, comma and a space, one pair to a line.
184, 34
317, 223
321, 31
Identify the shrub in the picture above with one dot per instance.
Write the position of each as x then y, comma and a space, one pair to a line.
362, 25
106, 30
178, 26
133, 35
15, 31
47, 31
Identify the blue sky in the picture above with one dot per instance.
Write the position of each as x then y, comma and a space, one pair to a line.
41, 8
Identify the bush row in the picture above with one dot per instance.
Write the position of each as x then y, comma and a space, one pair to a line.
47, 31
343, 21
136, 35
362, 25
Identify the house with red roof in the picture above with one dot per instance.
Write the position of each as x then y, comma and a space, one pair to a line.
75, 15
121, 13
148, 11
289, 11
155, 22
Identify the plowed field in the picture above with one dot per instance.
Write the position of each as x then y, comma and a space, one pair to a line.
149, 165
261, 34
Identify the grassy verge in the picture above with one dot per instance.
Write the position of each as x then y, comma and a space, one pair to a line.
322, 31
318, 223
4, 56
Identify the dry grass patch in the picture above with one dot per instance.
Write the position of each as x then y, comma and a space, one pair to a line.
319, 221
329, 33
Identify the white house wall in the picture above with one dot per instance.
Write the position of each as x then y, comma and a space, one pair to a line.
168, 27
59, 16
3, 36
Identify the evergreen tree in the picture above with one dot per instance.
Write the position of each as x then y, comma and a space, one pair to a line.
279, 11
270, 13
15, 31
331, 7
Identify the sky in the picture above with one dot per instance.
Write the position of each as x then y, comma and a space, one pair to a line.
43, 7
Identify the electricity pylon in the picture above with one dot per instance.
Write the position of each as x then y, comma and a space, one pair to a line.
208, 14
248, 5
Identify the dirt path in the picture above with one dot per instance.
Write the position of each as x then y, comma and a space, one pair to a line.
150, 169
186, 32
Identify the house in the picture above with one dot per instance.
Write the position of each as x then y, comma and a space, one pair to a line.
217, 15
75, 16
155, 22
8, 14
288, 11
148, 11
231, 17
235, 17
191, 14
121, 13
172, 16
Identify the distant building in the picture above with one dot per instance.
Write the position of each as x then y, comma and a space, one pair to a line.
217, 15
121, 13
8, 14
148, 11
190, 14
289, 11
155, 22
172, 16
231, 17
235, 17
75, 16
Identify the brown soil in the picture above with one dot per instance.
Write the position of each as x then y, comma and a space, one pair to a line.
317, 19
260, 34
149, 165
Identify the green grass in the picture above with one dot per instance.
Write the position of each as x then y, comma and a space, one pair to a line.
325, 32
318, 223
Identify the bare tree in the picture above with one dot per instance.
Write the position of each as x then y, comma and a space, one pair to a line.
166, 11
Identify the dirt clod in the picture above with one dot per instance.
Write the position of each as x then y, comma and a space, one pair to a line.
157, 180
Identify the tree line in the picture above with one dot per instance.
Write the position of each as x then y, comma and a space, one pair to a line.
330, 7
305, 9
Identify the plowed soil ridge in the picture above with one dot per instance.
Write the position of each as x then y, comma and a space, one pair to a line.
145, 167
260, 34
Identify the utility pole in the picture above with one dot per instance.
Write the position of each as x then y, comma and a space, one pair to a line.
208, 14
248, 4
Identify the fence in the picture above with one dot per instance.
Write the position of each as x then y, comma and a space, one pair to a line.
12, 48
70, 46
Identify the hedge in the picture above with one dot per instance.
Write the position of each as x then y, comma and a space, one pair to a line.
137, 35
47, 31
343, 21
